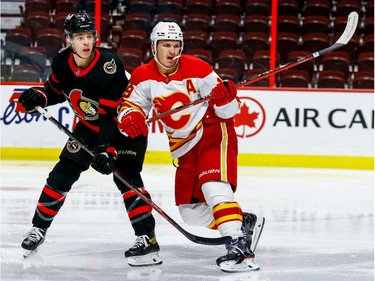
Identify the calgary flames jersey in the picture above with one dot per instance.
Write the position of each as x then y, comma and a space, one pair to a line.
193, 79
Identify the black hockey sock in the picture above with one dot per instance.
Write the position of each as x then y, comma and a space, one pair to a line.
49, 204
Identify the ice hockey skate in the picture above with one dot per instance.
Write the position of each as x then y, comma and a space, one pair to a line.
145, 251
252, 228
239, 257
34, 238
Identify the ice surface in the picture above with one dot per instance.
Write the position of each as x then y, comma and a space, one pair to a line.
320, 227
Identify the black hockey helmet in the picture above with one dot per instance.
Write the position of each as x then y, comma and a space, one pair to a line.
79, 22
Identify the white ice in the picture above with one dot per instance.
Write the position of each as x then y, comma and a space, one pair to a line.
319, 227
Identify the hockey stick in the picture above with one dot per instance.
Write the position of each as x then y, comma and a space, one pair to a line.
190, 236
350, 28
179, 108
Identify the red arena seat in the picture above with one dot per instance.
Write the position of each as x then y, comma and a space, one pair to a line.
331, 79
51, 39
200, 22
195, 39
363, 80
294, 78
223, 40
25, 73
234, 59
226, 22
198, 7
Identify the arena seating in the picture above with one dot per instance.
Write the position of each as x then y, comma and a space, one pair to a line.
210, 27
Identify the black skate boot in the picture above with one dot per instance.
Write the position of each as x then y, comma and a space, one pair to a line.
239, 258
145, 251
252, 228
248, 223
34, 238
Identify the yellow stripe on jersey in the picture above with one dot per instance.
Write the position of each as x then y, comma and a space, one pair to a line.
176, 143
223, 152
126, 105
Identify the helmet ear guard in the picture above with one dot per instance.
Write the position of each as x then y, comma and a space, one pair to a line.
77, 23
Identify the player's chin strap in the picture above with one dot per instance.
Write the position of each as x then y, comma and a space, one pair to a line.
190, 236
73, 50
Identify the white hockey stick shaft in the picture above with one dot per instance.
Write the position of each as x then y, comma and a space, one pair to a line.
350, 28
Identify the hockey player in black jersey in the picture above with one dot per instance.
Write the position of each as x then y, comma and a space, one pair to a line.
92, 79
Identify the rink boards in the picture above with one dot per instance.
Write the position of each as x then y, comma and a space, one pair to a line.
295, 128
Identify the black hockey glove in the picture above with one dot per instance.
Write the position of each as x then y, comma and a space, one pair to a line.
104, 160
32, 97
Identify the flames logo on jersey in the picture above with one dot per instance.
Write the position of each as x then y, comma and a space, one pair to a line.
84, 108
163, 104
110, 67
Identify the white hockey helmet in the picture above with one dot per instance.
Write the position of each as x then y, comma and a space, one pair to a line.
166, 31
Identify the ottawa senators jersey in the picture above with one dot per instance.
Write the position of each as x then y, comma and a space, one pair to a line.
193, 79
92, 92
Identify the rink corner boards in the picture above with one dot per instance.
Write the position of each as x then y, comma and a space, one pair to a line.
262, 160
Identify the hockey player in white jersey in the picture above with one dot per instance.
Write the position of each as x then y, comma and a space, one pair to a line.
202, 138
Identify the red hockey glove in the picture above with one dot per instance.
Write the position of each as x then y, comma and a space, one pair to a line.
132, 123
32, 97
224, 92
104, 160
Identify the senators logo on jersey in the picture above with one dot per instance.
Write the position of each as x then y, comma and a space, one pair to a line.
84, 108
73, 146
110, 67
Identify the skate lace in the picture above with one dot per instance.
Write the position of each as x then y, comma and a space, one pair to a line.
234, 250
35, 234
238, 246
141, 241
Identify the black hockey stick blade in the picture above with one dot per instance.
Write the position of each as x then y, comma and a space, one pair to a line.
190, 236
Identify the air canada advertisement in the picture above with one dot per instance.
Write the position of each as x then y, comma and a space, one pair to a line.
309, 122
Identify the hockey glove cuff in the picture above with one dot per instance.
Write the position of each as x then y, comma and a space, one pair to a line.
104, 160
132, 123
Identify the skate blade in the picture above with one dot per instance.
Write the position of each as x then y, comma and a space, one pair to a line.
245, 266
258, 229
145, 260
30, 253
